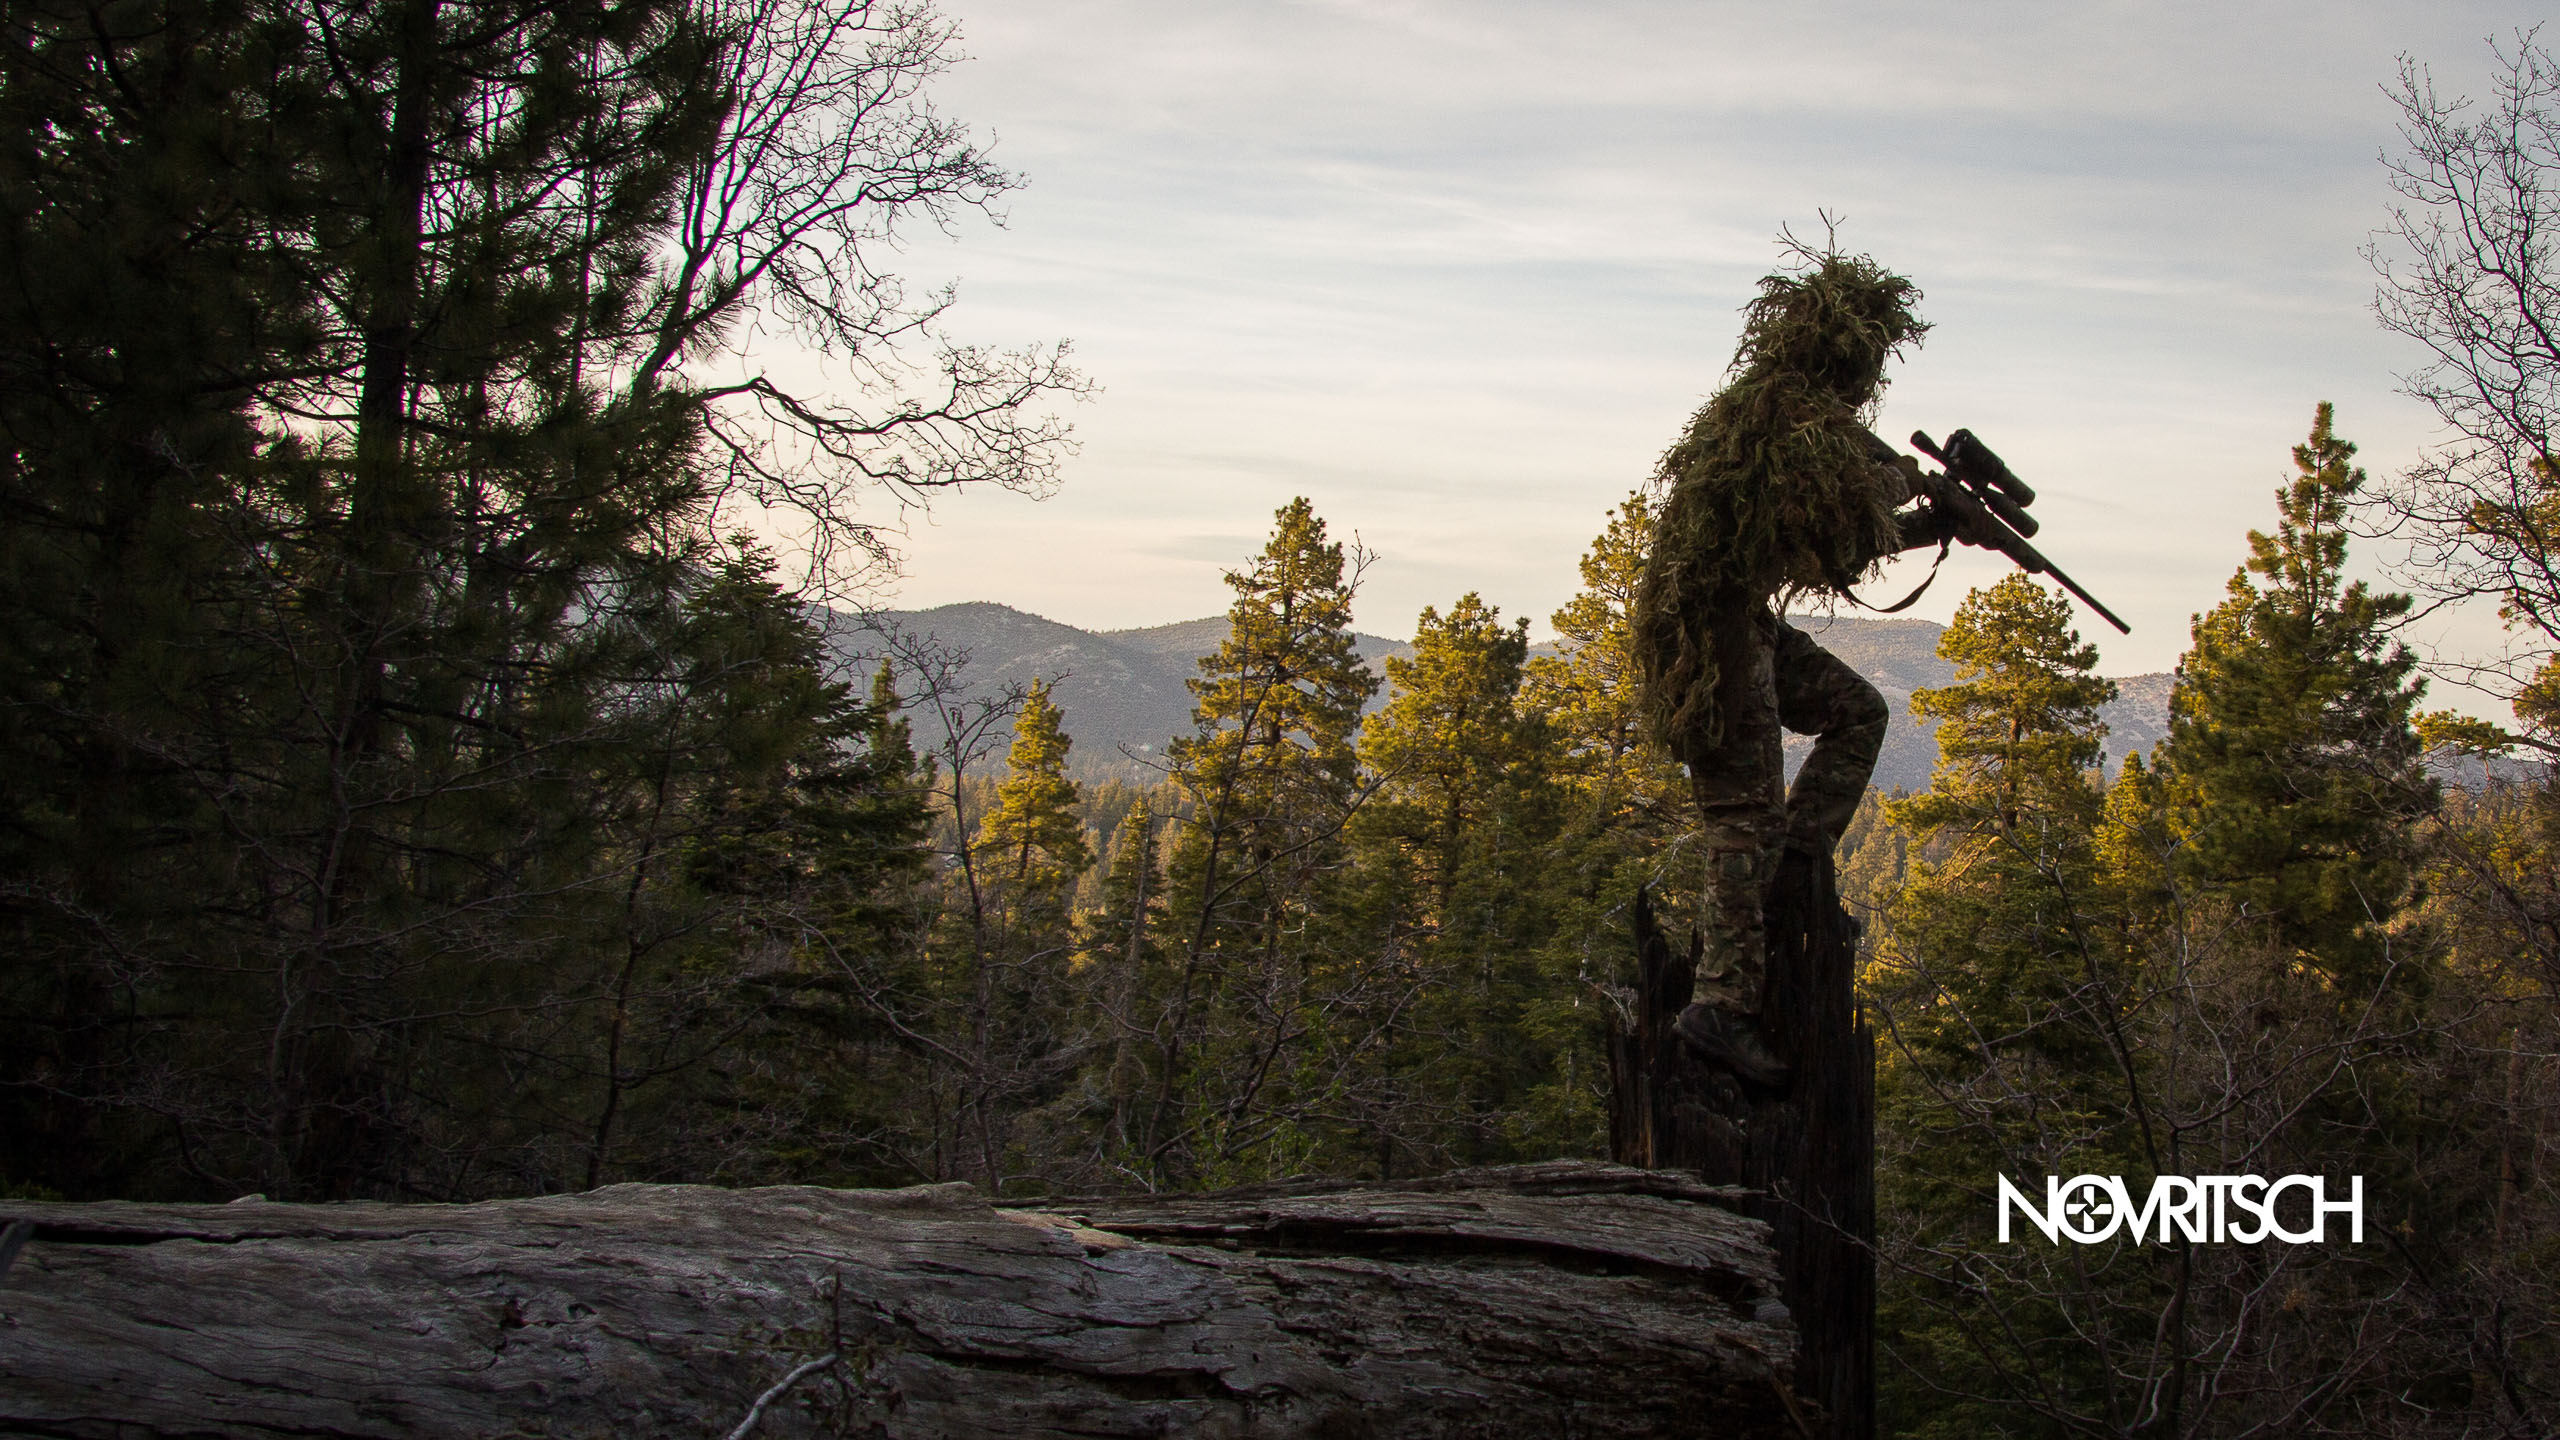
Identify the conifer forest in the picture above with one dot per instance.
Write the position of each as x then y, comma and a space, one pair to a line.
443, 755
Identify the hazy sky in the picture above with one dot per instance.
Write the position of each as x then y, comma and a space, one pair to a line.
1459, 271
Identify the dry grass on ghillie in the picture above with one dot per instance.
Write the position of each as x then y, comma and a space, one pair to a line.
1775, 490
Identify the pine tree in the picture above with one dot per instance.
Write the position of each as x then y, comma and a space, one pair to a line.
363, 593
1450, 742
1447, 908
2207, 972
1125, 924
997, 1004
1588, 692
1629, 803
785, 858
1031, 842
2018, 731
140, 302
1993, 931
1271, 759
2294, 776
1124, 975
2002, 989
1270, 773
1269, 779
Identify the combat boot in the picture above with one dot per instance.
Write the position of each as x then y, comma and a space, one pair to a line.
1731, 1042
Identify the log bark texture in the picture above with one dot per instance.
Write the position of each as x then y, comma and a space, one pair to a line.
1557, 1300
1805, 1154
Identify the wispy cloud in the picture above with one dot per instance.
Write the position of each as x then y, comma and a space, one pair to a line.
1458, 270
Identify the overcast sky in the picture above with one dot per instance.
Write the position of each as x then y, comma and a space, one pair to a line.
1459, 271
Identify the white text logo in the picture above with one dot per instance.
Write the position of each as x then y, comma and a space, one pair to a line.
2205, 1209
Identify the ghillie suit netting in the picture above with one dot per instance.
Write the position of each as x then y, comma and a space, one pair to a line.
1775, 489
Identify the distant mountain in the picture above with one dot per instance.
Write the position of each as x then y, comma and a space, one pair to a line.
1123, 691
2139, 717
1186, 641
1899, 656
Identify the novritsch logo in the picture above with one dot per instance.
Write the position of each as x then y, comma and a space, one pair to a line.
2203, 1209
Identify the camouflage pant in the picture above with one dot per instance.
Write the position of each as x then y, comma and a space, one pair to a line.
1771, 675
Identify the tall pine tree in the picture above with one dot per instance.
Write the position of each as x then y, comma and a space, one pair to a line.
2002, 991
2295, 779
1269, 779
1447, 917
1627, 806
363, 596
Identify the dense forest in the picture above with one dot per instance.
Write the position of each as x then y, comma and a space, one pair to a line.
416, 783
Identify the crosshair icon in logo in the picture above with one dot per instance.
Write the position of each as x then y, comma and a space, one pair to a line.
2088, 1211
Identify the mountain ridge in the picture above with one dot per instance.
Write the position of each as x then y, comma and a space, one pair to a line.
1123, 692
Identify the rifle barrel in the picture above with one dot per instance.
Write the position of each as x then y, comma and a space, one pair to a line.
2088, 599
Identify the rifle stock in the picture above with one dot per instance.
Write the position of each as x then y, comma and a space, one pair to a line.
1983, 495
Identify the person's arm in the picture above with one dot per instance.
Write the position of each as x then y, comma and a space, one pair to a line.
1924, 525
1899, 475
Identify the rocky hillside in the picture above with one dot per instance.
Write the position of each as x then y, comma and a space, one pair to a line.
1123, 692
1124, 695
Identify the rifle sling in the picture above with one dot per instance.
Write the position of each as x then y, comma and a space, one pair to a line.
1906, 601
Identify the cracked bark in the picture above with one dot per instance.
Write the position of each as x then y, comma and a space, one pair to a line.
1557, 1300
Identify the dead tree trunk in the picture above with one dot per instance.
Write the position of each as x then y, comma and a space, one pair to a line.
1562, 1300
1808, 1152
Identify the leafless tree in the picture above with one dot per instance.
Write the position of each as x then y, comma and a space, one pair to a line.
828, 153
976, 1004
2468, 270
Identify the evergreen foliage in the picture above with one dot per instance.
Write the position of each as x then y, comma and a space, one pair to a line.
989, 1022
410, 793
1447, 859
1590, 692
2018, 733
2295, 778
2001, 987
1269, 780
1122, 967
2160, 981
1995, 917
1032, 839
1627, 812
1449, 744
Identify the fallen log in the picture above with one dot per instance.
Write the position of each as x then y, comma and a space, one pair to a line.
1559, 1300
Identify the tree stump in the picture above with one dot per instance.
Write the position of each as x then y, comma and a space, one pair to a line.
1564, 1300
1807, 1153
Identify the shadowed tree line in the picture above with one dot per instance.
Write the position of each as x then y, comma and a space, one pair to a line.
409, 790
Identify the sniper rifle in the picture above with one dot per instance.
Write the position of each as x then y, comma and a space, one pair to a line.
1990, 503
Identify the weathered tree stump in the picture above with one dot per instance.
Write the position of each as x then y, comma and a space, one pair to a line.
1807, 1153
1557, 1301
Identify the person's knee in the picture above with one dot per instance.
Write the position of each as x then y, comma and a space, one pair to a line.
1863, 707
1858, 719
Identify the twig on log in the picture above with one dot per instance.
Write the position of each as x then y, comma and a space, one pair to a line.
800, 1372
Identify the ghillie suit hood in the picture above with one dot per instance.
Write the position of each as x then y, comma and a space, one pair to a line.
1775, 489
